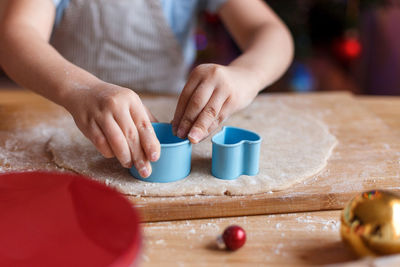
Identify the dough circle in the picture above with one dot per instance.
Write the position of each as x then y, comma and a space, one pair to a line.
295, 146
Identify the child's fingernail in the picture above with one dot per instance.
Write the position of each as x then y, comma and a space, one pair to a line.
194, 136
144, 172
154, 156
127, 164
174, 129
181, 133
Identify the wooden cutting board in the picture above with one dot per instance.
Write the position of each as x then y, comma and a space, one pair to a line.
366, 157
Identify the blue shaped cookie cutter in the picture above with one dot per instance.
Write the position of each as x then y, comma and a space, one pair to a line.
175, 158
235, 152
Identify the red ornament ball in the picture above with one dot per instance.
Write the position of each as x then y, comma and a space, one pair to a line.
234, 237
351, 48
348, 49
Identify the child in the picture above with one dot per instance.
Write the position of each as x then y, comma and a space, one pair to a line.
92, 56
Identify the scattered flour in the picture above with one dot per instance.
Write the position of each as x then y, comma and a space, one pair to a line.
160, 242
25, 148
314, 222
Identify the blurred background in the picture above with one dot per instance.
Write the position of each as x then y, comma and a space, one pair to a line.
341, 45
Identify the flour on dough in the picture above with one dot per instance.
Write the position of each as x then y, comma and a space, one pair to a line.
294, 147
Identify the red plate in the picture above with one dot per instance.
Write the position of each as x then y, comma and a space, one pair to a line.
57, 219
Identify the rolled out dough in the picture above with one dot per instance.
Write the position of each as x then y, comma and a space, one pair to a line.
294, 147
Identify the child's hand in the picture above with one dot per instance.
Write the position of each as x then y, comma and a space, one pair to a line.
212, 93
117, 123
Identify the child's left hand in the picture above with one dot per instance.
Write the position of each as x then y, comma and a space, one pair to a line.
213, 92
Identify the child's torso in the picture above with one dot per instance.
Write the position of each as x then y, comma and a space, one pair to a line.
130, 43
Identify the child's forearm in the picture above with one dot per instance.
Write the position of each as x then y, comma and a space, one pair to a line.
33, 63
267, 56
265, 40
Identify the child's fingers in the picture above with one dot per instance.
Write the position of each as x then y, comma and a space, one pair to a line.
195, 105
183, 100
116, 139
93, 132
139, 158
99, 140
223, 114
148, 139
131, 133
207, 117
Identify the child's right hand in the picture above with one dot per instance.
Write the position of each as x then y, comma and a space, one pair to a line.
115, 120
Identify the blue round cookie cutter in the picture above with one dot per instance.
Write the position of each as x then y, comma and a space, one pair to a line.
175, 159
235, 152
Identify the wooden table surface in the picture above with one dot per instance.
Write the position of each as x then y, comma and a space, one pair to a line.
306, 238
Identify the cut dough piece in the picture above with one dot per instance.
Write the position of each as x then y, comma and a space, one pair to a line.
294, 147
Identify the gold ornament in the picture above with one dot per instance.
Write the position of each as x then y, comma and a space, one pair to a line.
370, 223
